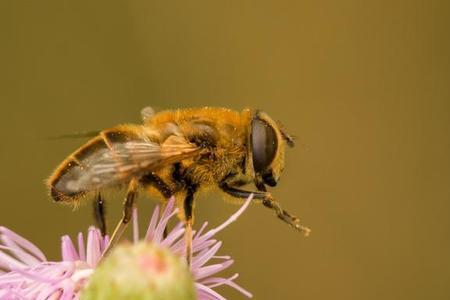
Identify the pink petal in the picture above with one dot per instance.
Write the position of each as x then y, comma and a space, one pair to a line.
23, 243
204, 256
81, 249
68, 251
173, 236
19, 252
168, 213
199, 233
215, 282
207, 291
152, 226
93, 247
203, 272
7, 262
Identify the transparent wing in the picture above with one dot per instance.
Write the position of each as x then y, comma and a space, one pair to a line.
113, 159
129, 159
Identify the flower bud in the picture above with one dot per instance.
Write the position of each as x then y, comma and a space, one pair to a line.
140, 271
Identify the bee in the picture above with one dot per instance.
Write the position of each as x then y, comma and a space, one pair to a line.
178, 153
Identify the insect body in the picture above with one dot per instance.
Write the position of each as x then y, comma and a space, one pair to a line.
179, 152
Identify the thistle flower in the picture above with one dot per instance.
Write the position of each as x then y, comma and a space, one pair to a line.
27, 274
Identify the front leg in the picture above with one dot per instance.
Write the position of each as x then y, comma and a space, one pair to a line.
268, 201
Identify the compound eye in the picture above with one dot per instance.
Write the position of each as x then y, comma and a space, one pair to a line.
264, 144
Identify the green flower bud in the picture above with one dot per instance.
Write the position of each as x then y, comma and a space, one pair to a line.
140, 271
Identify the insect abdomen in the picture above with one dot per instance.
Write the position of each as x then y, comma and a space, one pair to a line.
56, 182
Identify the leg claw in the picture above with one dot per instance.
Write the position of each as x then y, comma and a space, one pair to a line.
296, 224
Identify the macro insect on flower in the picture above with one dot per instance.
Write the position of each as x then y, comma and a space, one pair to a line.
177, 153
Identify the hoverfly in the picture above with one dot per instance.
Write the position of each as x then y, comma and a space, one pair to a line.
177, 153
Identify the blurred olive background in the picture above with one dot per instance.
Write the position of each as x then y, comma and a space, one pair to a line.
363, 85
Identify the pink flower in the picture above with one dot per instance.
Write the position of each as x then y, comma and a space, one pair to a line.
27, 274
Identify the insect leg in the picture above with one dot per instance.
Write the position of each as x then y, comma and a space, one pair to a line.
158, 183
188, 208
161, 186
268, 201
99, 214
127, 214
284, 215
